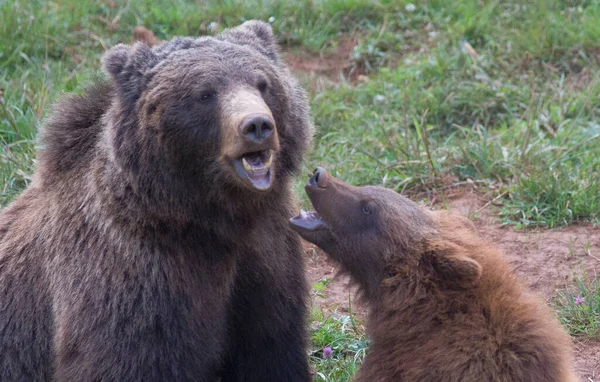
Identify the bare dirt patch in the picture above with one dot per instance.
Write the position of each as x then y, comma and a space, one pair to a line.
317, 71
545, 260
331, 64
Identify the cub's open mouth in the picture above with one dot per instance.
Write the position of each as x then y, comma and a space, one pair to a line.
256, 168
308, 221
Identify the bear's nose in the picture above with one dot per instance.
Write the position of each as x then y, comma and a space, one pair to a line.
258, 128
319, 178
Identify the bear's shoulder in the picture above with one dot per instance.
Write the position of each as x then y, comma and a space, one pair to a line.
73, 128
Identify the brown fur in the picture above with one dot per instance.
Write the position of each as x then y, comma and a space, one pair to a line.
444, 305
138, 253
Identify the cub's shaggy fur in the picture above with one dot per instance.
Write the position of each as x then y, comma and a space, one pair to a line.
444, 305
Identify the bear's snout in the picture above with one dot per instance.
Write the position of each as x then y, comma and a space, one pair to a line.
257, 128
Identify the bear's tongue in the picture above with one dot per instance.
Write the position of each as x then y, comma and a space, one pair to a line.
308, 220
257, 166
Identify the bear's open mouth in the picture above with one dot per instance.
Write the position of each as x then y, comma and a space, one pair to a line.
309, 221
256, 167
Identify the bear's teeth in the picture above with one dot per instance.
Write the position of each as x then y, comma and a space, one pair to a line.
258, 167
269, 160
247, 166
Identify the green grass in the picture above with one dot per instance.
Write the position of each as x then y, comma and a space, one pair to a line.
503, 94
578, 307
539, 151
515, 109
343, 334
348, 345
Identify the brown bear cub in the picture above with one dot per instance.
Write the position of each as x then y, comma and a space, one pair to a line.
444, 305
152, 244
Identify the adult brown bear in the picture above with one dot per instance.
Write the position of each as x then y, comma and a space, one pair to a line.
153, 242
443, 303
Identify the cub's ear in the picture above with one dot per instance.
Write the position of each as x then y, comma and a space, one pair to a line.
256, 34
127, 65
453, 270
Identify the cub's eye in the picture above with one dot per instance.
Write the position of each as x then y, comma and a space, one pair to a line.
207, 96
366, 209
262, 86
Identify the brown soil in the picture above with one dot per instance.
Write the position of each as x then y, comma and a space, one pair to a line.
545, 260
332, 64
317, 71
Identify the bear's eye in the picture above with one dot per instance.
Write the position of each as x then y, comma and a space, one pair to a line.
262, 85
206, 96
366, 209
151, 108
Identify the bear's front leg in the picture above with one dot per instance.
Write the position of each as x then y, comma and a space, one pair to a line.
267, 322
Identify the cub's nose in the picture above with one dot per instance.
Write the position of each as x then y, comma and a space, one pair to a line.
258, 128
319, 178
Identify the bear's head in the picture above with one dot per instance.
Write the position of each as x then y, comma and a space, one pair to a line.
208, 118
376, 233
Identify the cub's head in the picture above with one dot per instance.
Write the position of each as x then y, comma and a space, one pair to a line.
207, 117
376, 233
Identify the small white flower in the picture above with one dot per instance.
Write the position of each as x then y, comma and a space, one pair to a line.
271, 19
410, 7
213, 27
379, 99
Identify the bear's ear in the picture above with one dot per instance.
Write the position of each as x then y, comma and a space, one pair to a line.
453, 270
115, 60
256, 34
126, 65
